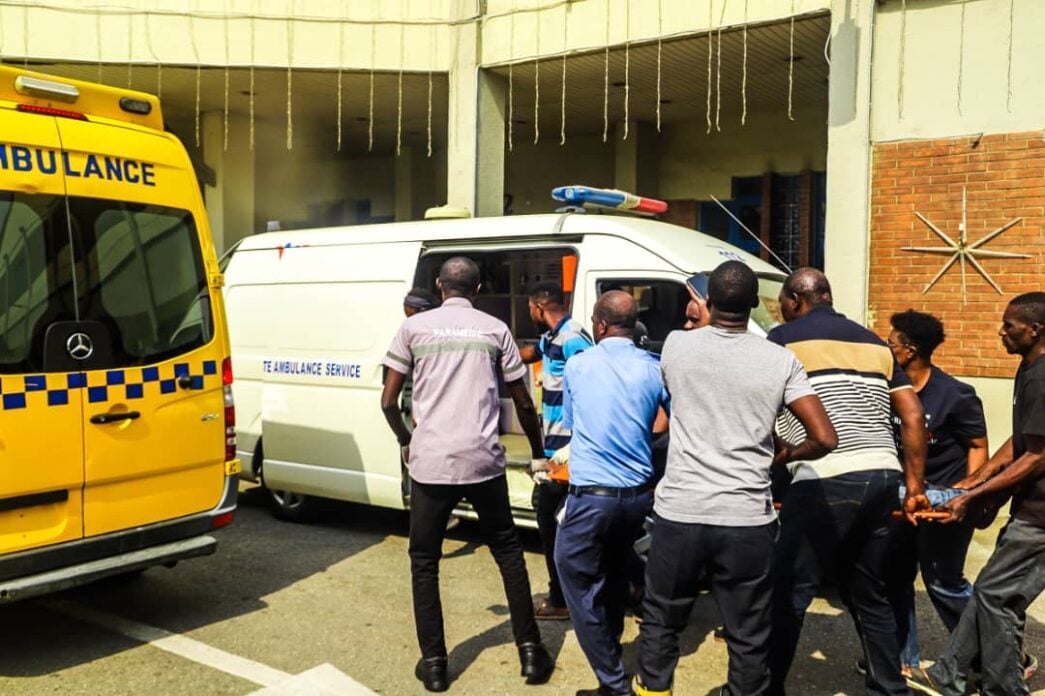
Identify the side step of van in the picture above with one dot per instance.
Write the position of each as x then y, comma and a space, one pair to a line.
83, 573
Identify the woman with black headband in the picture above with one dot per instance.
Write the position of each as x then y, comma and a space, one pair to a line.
419, 300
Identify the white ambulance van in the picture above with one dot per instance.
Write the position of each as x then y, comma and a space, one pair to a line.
312, 312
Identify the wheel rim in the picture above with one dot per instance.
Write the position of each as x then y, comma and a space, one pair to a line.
287, 500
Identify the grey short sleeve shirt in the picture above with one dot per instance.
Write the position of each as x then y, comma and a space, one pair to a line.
455, 352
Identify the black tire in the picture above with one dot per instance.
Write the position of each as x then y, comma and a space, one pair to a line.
285, 505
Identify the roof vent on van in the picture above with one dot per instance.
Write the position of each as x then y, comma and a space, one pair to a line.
447, 212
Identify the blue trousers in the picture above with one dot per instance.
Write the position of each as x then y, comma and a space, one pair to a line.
593, 552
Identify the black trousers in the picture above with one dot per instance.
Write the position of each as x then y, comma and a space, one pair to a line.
547, 499
838, 526
738, 561
430, 508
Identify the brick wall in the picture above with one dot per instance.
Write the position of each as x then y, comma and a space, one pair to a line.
1004, 176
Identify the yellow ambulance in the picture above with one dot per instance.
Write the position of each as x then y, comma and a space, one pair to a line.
117, 429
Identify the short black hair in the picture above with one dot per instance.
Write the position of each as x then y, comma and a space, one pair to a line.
733, 288
1030, 306
421, 298
459, 276
548, 292
924, 331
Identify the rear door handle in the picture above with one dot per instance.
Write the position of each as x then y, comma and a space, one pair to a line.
103, 418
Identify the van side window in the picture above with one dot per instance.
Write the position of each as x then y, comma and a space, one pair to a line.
35, 277
144, 278
662, 304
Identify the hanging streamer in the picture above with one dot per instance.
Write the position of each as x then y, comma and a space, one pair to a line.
340, 63
606, 82
98, 33
791, 64
370, 107
562, 113
711, 47
25, 36
961, 59
903, 58
435, 56
627, 67
250, 97
743, 78
660, 47
290, 76
537, 86
1008, 71
399, 82
196, 56
155, 57
718, 82
511, 77
225, 109
130, 49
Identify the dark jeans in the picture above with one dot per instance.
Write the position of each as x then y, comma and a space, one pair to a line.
594, 553
938, 550
991, 627
838, 527
430, 508
738, 561
547, 498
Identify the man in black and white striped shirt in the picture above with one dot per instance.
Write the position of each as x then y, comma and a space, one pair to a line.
837, 509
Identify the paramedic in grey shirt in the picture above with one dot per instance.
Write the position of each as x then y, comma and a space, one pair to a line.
714, 510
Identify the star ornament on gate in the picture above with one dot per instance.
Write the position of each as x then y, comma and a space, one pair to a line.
963, 252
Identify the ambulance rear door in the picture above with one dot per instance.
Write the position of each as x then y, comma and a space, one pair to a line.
41, 414
154, 430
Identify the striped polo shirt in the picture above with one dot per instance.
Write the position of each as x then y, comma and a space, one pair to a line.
556, 347
853, 372
455, 353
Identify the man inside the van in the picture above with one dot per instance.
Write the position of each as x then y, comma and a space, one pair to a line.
455, 353
563, 338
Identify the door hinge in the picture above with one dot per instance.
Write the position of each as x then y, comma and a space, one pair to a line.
233, 467
216, 280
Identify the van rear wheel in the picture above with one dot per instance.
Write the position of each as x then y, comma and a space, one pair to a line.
286, 505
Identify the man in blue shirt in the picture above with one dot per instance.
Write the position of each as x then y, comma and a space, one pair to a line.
610, 398
563, 338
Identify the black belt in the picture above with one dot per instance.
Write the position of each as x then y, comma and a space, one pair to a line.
611, 491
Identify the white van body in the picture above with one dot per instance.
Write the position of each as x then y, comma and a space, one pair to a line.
311, 314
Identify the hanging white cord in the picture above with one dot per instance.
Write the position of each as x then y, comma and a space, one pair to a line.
98, 32
606, 83
25, 36
196, 57
435, 56
370, 108
743, 77
537, 84
791, 66
340, 69
511, 77
627, 67
155, 57
1008, 70
718, 82
250, 89
903, 58
130, 49
961, 59
711, 47
660, 47
565, 40
290, 76
225, 112
404, 12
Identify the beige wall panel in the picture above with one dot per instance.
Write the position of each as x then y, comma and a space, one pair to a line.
933, 55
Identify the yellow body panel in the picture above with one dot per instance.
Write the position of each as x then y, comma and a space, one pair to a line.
64, 476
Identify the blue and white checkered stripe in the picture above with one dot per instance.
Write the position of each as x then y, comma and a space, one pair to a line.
101, 386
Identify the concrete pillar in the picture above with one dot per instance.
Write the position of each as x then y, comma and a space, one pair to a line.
462, 121
491, 143
230, 202
404, 185
847, 235
636, 167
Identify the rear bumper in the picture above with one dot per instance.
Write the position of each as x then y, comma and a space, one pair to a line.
52, 568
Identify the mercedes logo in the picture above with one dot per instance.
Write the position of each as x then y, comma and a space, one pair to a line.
79, 346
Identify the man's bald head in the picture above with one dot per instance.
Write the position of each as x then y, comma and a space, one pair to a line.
617, 311
811, 285
459, 277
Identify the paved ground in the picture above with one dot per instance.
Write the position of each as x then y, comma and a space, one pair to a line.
280, 600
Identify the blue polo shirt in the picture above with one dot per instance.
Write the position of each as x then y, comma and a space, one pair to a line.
567, 339
610, 397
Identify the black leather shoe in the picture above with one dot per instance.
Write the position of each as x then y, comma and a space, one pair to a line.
432, 673
537, 663
601, 691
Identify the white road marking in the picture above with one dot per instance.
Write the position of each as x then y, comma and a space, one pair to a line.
324, 679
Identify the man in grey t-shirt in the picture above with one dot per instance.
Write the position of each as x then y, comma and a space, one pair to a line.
714, 508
